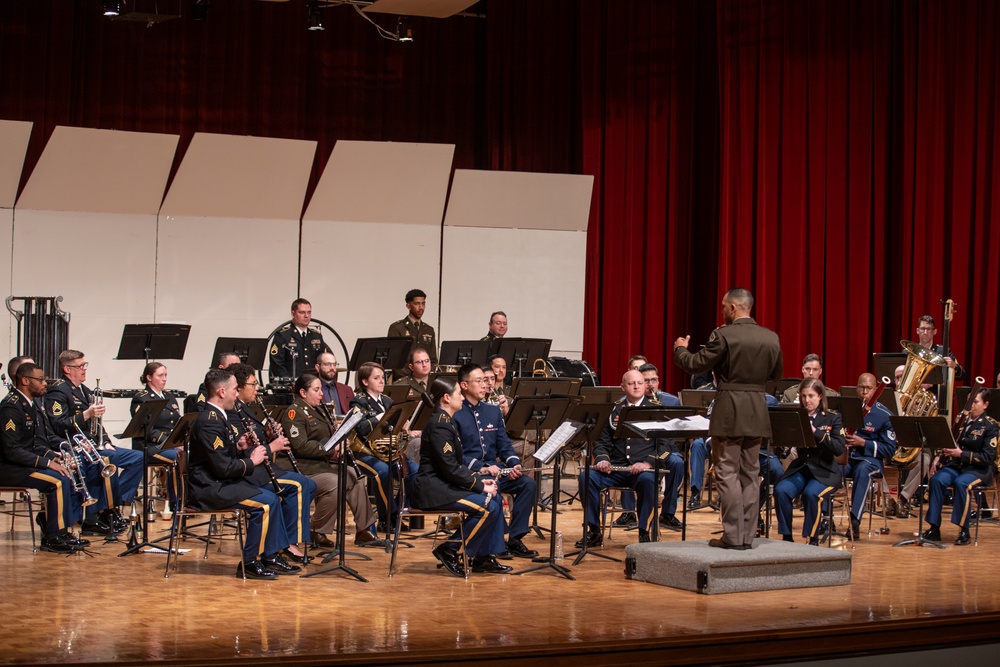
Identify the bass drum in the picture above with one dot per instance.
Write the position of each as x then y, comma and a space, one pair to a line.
572, 368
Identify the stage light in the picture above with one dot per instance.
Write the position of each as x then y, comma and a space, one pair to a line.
112, 7
404, 31
315, 20
199, 10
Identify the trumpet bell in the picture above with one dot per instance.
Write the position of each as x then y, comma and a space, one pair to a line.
108, 470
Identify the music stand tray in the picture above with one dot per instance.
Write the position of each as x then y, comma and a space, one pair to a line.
460, 352
146, 341
250, 350
922, 433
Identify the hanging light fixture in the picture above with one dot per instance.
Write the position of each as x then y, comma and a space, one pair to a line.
404, 31
315, 19
112, 7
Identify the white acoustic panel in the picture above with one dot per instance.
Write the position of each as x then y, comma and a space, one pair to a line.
100, 171
356, 275
103, 265
535, 276
7, 330
370, 181
507, 199
224, 176
14, 137
225, 277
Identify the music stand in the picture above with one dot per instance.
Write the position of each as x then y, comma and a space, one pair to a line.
250, 350
145, 341
461, 352
790, 427
520, 351
390, 352
885, 363
919, 432
539, 386
390, 425
627, 426
600, 395
697, 398
549, 410
536, 413
777, 387
139, 427
849, 408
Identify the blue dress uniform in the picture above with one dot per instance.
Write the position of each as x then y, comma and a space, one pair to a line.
159, 431
293, 353
974, 468
622, 452
867, 462
222, 476
371, 465
24, 457
485, 443
815, 475
443, 482
64, 405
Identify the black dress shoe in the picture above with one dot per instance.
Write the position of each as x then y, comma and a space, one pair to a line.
625, 520
644, 536
279, 565
322, 541
933, 534
814, 541
76, 542
593, 538
855, 529
98, 527
295, 558
902, 510
448, 560
824, 525
694, 502
366, 540
505, 555
489, 565
57, 544
719, 544
963, 538
787, 538
515, 547
113, 517
670, 522
255, 569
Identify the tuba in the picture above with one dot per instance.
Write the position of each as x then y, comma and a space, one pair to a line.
914, 400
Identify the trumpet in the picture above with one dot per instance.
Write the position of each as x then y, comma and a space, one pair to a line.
86, 448
71, 461
97, 423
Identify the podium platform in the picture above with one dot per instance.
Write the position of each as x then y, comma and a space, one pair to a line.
770, 565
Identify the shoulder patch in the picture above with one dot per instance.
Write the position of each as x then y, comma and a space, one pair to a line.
286, 327
212, 415
293, 432
291, 413
218, 444
9, 426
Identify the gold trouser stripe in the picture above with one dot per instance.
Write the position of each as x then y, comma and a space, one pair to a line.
479, 508
299, 523
378, 484
265, 522
819, 510
60, 510
969, 490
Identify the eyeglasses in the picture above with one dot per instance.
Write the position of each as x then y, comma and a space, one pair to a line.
38, 379
925, 329
479, 381
422, 361
84, 365
252, 384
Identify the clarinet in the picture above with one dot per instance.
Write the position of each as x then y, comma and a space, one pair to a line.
276, 430
255, 441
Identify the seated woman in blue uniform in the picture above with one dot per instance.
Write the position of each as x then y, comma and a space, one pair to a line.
815, 474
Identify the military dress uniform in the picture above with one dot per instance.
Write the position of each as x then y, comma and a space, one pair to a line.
24, 458
307, 430
222, 476
744, 356
371, 465
815, 474
64, 405
443, 482
422, 335
972, 470
306, 347
673, 466
159, 431
484, 443
867, 463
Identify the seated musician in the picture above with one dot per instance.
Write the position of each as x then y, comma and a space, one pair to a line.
674, 463
26, 459
70, 404
413, 327
636, 361
498, 329
309, 424
296, 346
222, 475
443, 482
336, 395
369, 398
964, 468
154, 377
812, 367
499, 366
869, 448
418, 371
487, 450
815, 474
621, 462
196, 401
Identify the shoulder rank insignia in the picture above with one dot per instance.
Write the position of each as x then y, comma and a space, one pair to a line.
291, 413
212, 415
57, 409
274, 349
218, 444
293, 431
200, 399
9, 426
447, 449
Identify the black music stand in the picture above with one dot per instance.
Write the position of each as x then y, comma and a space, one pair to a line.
920, 432
601, 395
250, 350
697, 398
534, 413
461, 352
140, 425
159, 341
790, 427
885, 363
398, 393
777, 387
849, 408
554, 409
548, 386
592, 416
390, 352
518, 352
390, 425
626, 426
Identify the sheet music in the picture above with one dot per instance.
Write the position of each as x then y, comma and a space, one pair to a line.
693, 423
559, 437
346, 427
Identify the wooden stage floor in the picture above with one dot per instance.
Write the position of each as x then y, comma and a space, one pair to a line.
105, 609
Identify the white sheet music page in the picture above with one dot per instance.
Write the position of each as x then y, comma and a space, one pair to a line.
346, 427
693, 423
559, 437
